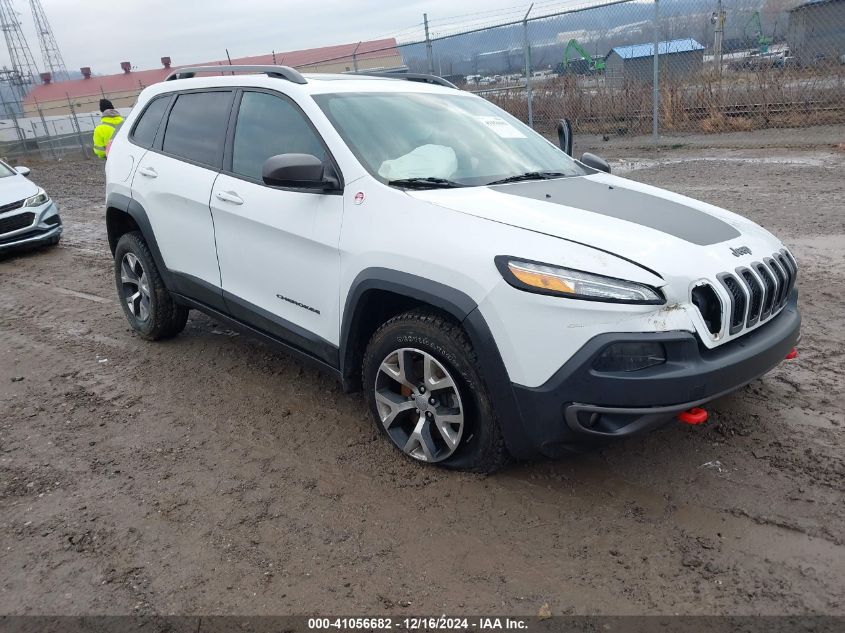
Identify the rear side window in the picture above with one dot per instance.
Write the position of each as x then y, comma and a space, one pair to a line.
196, 126
269, 125
147, 126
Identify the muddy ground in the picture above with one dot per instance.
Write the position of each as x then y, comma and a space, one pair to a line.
209, 474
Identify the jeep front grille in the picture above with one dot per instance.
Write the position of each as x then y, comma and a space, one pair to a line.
755, 293
737, 302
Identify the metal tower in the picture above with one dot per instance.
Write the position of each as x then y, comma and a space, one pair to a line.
53, 60
24, 70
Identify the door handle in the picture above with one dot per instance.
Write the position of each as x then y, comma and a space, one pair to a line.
149, 172
230, 197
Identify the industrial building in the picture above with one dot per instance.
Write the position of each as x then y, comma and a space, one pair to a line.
816, 32
122, 89
634, 64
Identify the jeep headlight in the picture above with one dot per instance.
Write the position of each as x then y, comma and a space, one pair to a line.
575, 284
37, 200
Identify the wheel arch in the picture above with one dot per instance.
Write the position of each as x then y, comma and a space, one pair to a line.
123, 215
377, 294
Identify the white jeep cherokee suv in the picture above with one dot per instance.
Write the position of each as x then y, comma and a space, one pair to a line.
491, 295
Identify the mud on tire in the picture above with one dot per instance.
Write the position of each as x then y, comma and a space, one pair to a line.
153, 315
429, 335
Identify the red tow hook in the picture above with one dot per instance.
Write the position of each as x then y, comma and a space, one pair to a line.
696, 415
793, 353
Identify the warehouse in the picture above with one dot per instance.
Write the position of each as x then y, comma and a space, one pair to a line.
123, 88
816, 32
677, 58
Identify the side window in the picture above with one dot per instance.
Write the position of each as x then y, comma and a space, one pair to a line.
269, 125
196, 127
147, 125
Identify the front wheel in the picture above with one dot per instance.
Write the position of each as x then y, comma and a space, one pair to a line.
147, 304
426, 394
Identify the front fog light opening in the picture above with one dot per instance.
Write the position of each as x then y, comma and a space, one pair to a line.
627, 357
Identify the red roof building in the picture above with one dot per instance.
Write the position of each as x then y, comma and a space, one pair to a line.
123, 88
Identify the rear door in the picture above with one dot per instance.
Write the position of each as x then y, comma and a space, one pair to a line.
278, 248
173, 183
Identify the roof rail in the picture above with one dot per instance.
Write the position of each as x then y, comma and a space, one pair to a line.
279, 72
421, 77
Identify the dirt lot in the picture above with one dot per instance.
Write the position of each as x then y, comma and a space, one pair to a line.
208, 474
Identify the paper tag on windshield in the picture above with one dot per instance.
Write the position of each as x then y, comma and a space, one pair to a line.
500, 126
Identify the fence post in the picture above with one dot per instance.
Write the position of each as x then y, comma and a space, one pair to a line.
718, 36
355, 58
46, 131
428, 46
655, 87
77, 127
526, 49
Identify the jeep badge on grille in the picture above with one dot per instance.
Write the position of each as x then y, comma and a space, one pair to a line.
742, 250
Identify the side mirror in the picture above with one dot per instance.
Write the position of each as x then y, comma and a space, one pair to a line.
596, 162
23, 171
300, 171
564, 135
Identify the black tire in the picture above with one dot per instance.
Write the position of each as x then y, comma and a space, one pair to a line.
482, 447
165, 317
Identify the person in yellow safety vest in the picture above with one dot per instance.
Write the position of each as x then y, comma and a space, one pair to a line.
109, 123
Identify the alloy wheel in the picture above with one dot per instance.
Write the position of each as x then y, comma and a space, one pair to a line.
135, 286
419, 405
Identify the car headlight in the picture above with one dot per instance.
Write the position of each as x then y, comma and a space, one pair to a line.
37, 200
575, 284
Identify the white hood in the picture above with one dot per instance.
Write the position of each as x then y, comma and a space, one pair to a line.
15, 188
665, 232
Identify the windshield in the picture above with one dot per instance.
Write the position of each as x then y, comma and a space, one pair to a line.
6, 171
445, 139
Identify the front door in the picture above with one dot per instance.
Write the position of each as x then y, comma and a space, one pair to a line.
278, 248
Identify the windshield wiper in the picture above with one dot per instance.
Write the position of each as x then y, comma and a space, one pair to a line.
427, 182
529, 175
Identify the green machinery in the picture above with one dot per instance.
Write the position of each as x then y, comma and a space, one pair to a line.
762, 41
574, 50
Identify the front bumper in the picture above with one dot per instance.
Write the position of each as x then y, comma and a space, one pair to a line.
579, 405
45, 228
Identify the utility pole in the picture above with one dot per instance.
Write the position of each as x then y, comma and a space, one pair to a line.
655, 85
54, 63
23, 64
428, 46
526, 49
718, 20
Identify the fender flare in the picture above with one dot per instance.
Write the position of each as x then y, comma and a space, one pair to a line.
134, 210
464, 310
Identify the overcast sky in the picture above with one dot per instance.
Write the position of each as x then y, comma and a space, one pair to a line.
102, 33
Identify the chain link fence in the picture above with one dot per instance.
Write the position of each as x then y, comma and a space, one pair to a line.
50, 132
630, 68
627, 68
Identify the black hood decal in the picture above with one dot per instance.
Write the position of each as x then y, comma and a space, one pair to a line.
622, 203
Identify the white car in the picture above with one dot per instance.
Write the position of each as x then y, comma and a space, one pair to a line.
28, 217
491, 295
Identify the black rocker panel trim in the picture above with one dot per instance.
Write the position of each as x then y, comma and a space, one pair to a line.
282, 329
254, 318
271, 340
